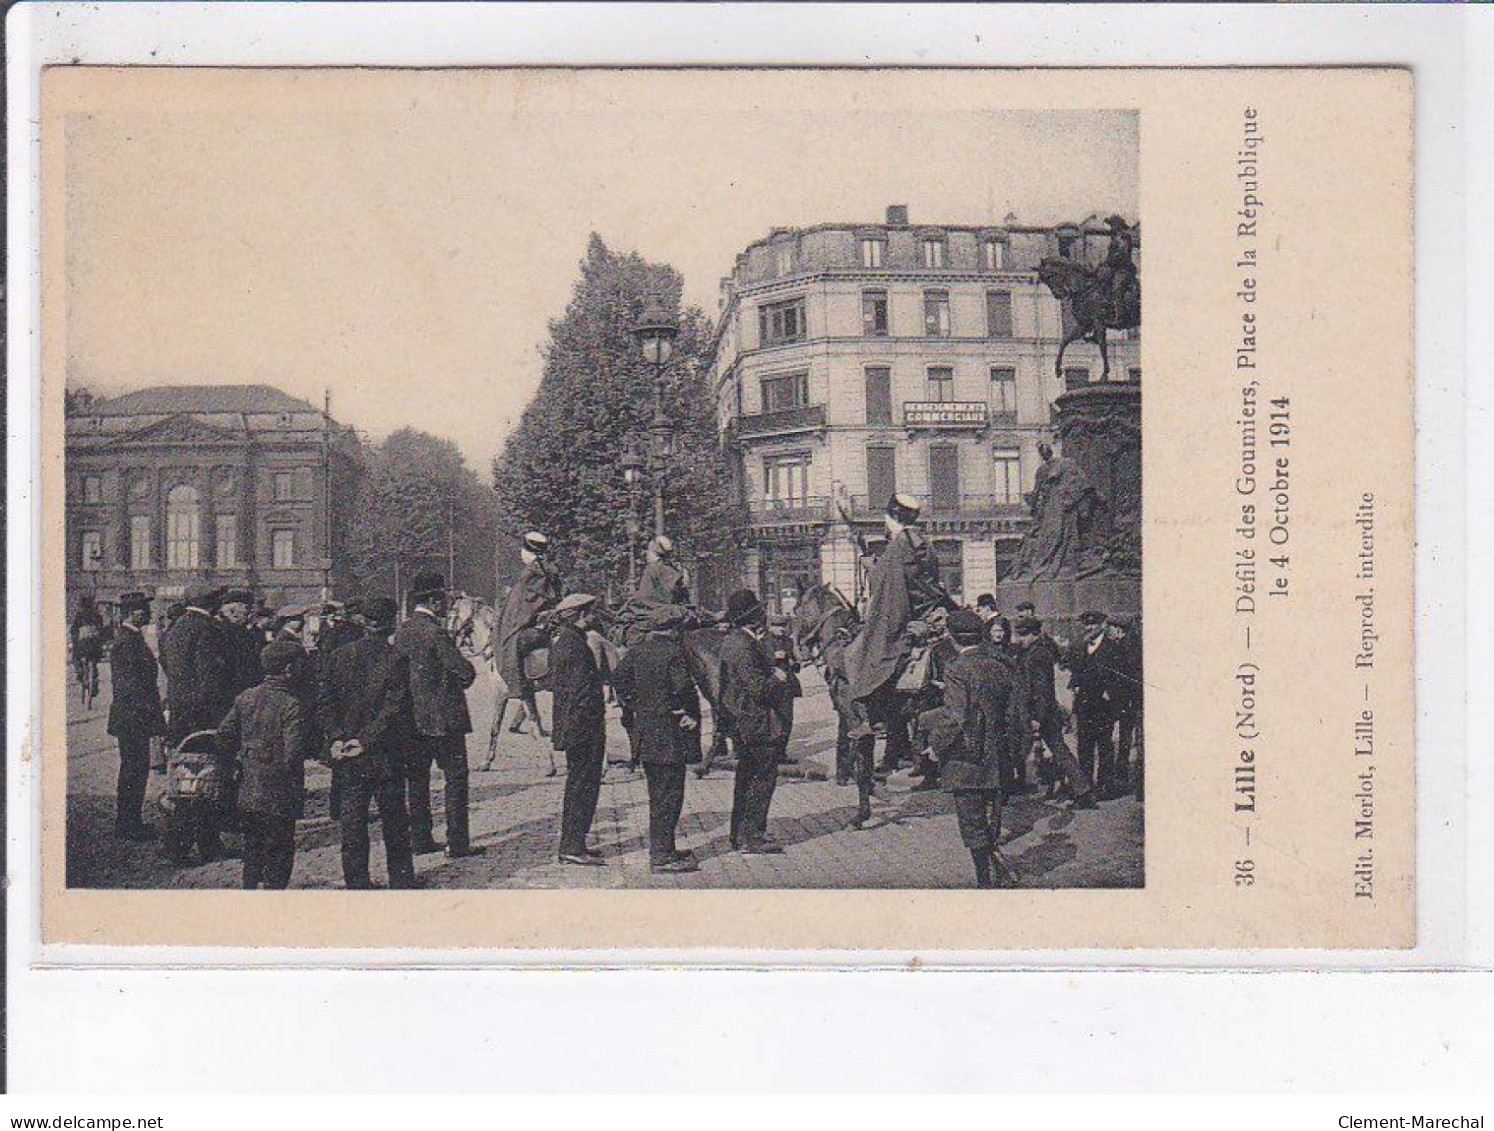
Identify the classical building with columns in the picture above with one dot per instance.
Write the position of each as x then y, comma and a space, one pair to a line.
231, 484
853, 360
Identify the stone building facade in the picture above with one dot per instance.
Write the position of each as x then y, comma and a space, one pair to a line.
855, 360
235, 485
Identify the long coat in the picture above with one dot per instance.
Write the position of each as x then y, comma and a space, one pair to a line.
904, 585
1036, 697
653, 682
579, 719
199, 681
265, 733
439, 676
1092, 675
539, 588
750, 696
365, 694
244, 645
136, 705
969, 731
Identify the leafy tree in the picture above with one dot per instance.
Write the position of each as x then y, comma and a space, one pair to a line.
561, 469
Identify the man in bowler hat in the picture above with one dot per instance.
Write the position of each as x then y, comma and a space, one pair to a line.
578, 724
135, 715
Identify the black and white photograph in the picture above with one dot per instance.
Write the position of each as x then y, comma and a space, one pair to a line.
541, 496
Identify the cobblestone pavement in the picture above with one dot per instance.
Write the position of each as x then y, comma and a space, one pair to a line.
515, 816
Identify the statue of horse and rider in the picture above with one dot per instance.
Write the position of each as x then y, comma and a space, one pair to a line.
1100, 298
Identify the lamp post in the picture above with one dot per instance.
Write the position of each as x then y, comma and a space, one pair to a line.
633, 466
655, 334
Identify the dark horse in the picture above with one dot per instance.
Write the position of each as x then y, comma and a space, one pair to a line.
1100, 299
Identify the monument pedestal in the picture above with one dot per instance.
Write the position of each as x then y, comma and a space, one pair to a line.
1099, 428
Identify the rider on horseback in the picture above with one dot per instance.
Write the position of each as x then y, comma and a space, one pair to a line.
538, 590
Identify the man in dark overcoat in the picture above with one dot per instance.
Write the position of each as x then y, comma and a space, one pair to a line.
1036, 711
135, 715
752, 693
199, 687
438, 676
653, 683
1093, 664
538, 588
579, 725
967, 734
264, 738
1125, 633
363, 705
242, 641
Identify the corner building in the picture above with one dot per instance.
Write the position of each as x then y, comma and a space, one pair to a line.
855, 360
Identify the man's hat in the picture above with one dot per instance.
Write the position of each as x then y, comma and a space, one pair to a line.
986, 601
662, 618
1091, 617
135, 599
277, 657
1028, 626
965, 624
904, 508
380, 610
574, 603
743, 606
238, 597
661, 544
1026, 605
201, 595
428, 583
536, 542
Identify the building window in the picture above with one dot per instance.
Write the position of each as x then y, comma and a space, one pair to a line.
1075, 376
935, 253
944, 477
226, 544
93, 551
993, 255
941, 383
285, 486
140, 555
936, 314
283, 549
93, 489
874, 314
999, 314
786, 480
183, 533
790, 390
783, 259
951, 555
1003, 390
1006, 478
1006, 557
781, 322
881, 476
872, 251
879, 395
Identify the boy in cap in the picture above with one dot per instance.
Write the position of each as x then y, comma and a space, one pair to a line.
135, 714
653, 683
579, 725
967, 735
263, 739
438, 678
363, 705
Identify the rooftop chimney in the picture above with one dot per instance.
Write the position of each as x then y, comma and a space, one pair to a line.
897, 215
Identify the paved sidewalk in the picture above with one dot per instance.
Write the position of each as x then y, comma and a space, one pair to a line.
515, 816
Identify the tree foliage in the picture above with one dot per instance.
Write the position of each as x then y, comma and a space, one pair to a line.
419, 506
561, 470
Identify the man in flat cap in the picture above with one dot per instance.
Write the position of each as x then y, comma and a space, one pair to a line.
653, 683
199, 684
1093, 662
580, 725
753, 691
135, 715
904, 586
438, 677
363, 705
538, 589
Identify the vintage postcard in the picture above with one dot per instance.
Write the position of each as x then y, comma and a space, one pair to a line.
772, 509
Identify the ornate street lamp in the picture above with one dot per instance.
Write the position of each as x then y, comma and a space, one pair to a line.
633, 465
655, 334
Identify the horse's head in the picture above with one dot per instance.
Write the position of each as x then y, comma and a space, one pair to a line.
821, 612
1061, 276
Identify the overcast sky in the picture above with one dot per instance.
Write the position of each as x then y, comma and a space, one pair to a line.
404, 238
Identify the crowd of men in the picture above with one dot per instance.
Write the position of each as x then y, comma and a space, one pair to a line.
965, 696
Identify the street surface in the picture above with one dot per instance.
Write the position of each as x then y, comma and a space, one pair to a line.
515, 810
